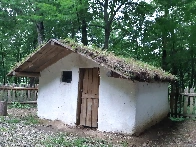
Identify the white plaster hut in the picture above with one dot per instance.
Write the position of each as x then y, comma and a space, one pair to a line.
89, 87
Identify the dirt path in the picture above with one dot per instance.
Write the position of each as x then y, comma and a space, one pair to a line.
166, 133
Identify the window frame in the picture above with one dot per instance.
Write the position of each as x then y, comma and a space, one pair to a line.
66, 76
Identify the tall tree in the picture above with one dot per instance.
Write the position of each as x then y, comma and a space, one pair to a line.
107, 12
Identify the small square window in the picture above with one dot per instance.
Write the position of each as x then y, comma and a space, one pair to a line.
67, 76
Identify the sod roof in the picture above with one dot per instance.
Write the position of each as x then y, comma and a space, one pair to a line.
54, 50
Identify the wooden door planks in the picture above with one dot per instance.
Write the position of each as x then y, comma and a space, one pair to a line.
83, 112
84, 102
90, 96
95, 113
95, 82
79, 99
90, 81
89, 112
89, 106
85, 83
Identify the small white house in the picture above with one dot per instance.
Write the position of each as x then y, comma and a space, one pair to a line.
94, 88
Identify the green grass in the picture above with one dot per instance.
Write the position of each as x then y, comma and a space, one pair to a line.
124, 144
9, 120
13, 120
57, 140
67, 141
2, 129
177, 119
30, 119
20, 106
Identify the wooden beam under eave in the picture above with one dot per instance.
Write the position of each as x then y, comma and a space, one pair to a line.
41, 62
59, 56
52, 42
49, 55
40, 54
26, 74
62, 46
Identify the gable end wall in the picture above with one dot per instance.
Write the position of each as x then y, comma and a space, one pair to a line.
58, 100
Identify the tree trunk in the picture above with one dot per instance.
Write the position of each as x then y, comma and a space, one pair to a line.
73, 32
3, 64
40, 32
107, 36
192, 67
106, 26
3, 108
32, 81
40, 38
165, 41
84, 32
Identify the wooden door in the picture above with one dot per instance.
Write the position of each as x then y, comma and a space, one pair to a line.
90, 97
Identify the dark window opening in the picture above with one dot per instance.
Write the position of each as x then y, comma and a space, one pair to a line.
67, 76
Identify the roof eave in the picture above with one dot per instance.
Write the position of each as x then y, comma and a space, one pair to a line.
69, 48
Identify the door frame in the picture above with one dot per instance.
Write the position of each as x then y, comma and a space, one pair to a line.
79, 99
80, 88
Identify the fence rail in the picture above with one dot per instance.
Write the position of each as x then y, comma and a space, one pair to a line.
183, 104
18, 94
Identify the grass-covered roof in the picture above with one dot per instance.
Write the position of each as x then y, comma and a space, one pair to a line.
126, 67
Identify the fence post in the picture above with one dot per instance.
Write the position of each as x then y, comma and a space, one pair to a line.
3, 108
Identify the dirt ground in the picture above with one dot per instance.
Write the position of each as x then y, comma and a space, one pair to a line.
165, 133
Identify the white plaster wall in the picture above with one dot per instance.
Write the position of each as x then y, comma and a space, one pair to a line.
124, 106
116, 104
57, 100
151, 105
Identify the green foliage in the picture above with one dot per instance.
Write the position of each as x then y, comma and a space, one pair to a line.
137, 29
20, 106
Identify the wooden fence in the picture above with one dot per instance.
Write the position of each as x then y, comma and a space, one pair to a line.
183, 105
18, 94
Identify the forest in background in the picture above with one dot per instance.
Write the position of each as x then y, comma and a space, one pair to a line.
160, 32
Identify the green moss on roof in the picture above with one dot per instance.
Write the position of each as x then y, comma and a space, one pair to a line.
127, 67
